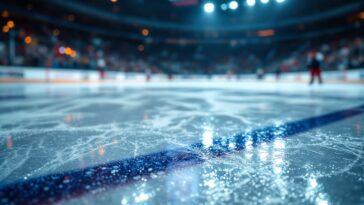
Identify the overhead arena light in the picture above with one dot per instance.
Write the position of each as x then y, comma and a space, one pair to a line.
224, 7
250, 2
209, 7
280, 1
233, 5
264, 1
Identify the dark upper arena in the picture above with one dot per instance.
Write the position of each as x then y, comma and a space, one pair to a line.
182, 36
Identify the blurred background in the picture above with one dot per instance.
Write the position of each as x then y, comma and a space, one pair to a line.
92, 40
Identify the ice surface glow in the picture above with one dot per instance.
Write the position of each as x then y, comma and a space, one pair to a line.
56, 130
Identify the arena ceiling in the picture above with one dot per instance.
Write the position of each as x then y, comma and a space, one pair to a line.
188, 19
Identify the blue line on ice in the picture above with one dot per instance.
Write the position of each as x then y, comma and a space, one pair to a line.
65, 185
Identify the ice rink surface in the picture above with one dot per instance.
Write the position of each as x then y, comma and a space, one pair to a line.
182, 143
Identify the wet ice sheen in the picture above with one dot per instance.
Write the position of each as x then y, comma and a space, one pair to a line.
52, 130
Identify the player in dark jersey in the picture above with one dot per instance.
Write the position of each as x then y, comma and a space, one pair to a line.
315, 68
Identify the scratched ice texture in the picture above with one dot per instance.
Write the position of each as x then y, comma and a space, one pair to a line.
49, 129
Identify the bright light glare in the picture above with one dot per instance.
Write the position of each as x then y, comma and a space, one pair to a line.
207, 137
224, 7
233, 5
209, 7
264, 1
280, 1
250, 2
61, 50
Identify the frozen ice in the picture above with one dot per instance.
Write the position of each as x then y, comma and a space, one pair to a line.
48, 129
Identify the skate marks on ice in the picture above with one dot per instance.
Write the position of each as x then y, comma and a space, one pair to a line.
145, 167
78, 132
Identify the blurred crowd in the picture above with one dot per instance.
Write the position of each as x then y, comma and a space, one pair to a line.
341, 54
54, 48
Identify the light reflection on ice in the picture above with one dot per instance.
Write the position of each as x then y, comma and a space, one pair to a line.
278, 156
141, 197
312, 183
210, 183
278, 143
124, 202
322, 202
72, 117
9, 142
232, 146
101, 151
249, 144
207, 137
263, 152
248, 152
315, 193
257, 174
